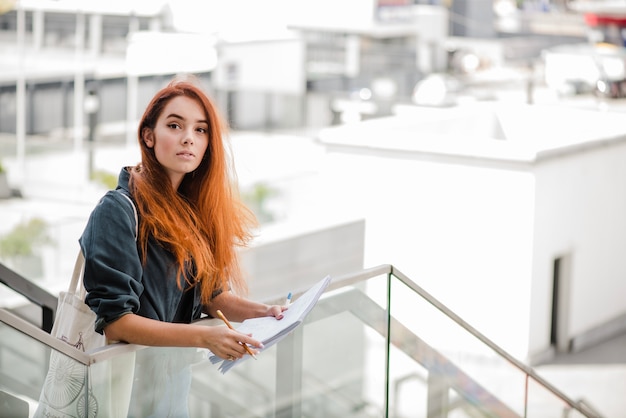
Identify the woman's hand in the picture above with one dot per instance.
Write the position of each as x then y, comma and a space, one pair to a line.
227, 343
238, 309
276, 311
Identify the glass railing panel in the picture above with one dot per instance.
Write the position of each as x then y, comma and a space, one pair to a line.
66, 390
543, 403
344, 354
333, 365
20, 306
10, 299
336, 364
154, 381
26, 299
27, 366
110, 385
461, 373
247, 390
408, 385
23, 367
367, 303
343, 368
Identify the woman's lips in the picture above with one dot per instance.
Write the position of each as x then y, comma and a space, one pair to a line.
186, 155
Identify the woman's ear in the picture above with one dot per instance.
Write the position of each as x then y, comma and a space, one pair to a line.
148, 137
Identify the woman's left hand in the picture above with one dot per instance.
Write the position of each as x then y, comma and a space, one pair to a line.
276, 311
238, 309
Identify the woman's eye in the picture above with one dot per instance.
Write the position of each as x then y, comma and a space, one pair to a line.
202, 130
173, 125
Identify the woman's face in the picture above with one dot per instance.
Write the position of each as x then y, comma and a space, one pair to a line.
180, 137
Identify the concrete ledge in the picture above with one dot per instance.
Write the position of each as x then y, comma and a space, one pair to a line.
290, 257
599, 334
584, 341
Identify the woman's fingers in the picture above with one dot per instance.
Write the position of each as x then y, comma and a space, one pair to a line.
248, 339
227, 343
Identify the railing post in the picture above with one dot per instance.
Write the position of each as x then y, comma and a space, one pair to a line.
388, 346
289, 376
438, 402
47, 318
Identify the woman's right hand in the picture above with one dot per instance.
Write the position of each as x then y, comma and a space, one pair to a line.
221, 340
228, 344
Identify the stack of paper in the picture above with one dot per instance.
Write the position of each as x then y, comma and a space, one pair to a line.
270, 330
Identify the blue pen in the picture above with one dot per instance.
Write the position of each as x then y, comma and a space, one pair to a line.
288, 301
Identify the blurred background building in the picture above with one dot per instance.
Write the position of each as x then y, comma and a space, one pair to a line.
478, 145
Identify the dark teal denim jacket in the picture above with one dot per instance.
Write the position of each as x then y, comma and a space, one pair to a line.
116, 280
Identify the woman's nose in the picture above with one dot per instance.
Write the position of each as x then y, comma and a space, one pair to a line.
188, 138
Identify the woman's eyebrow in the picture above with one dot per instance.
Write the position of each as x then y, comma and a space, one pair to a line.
176, 116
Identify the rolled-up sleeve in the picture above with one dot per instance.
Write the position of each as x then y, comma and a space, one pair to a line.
113, 268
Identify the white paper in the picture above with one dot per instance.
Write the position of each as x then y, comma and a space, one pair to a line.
270, 330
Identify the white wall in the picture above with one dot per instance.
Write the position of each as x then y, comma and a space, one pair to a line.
581, 211
477, 222
463, 233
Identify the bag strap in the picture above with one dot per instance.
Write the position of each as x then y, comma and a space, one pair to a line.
76, 284
134, 210
77, 275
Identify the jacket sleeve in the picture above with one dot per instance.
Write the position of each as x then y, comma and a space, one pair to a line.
113, 268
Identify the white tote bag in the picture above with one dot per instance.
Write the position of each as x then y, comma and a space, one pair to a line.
72, 389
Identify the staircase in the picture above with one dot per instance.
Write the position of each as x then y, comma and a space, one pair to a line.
376, 344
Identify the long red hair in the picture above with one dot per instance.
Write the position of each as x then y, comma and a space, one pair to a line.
204, 221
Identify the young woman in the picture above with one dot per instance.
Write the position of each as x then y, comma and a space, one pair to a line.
148, 280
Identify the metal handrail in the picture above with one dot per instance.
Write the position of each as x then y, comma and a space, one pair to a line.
337, 283
581, 407
32, 292
112, 350
86, 358
42, 336
388, 269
